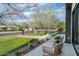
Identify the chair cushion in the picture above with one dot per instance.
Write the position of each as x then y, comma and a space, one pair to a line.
48, 50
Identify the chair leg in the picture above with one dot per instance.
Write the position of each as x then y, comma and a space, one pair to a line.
43, 53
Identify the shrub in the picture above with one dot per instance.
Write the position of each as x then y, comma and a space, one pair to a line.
58, 39
32, 42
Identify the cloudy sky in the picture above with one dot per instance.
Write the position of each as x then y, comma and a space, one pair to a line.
29, 8
59, 7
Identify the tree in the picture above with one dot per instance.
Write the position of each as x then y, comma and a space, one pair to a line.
45, 19
24, 25
61, 26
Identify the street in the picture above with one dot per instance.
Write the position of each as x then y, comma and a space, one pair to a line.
11, 34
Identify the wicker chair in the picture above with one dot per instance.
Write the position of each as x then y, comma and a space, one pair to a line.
52, 51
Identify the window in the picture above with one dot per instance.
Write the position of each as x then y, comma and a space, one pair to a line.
75, 29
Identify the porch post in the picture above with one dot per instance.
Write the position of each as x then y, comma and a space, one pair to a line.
68, 23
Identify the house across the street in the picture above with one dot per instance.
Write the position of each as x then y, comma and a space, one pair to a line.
4, 27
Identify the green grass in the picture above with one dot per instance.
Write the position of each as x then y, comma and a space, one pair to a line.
9, 44
6, 30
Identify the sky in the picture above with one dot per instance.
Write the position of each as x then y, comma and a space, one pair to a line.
58, 7
29, 9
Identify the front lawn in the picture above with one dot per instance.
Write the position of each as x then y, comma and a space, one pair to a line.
12, 44
9, 44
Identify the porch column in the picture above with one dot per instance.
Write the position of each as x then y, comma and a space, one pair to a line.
68, 23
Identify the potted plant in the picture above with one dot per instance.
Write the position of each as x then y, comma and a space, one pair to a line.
57, 39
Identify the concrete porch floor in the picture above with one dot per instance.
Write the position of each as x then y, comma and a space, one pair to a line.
67, 49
